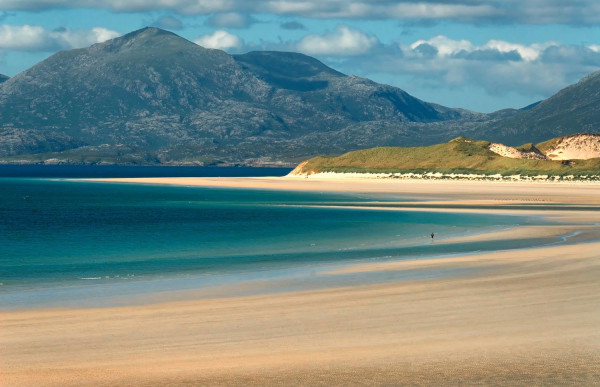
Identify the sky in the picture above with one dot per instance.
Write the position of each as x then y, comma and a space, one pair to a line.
482, 55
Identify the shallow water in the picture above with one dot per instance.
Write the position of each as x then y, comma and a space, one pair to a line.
73, 242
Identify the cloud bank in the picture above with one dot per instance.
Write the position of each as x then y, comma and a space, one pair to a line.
36, 38
573, 12
499, 67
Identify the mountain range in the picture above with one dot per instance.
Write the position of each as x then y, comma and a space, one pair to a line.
152, 97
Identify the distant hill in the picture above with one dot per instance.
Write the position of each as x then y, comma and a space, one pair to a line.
574, 109
3, 78
463, 155
153, 97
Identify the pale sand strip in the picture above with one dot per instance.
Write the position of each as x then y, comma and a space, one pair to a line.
523, 318
463, 191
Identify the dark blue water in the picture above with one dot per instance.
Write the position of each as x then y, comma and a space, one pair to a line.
134, 171
57, 233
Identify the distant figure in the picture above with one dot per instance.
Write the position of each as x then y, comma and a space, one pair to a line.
432, 235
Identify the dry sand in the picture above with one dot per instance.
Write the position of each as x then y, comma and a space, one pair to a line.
521, 317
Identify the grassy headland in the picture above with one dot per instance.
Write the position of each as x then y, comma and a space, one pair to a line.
458, 156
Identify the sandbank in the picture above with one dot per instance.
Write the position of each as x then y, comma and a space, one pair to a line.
483, 192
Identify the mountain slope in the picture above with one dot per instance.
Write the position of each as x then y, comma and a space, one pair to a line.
460, 155
153, 97
3, 78
573, 109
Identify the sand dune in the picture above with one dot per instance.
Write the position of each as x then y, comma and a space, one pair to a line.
575, 147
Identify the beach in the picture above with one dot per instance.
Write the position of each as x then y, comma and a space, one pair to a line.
525, 316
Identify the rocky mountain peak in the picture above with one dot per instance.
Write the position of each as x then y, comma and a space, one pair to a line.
144, 40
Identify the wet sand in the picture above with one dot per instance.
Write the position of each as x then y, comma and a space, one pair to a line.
520, 317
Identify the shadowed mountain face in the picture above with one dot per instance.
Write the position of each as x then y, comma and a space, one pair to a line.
3, 78
574, 109
151, 96
288, 70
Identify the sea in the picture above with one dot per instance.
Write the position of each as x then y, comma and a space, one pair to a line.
67, 242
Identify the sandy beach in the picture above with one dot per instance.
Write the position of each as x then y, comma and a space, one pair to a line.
517, 317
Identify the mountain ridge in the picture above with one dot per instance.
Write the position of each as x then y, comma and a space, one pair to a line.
153, 97
164, 99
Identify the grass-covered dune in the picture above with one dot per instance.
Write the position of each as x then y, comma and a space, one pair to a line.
460, 155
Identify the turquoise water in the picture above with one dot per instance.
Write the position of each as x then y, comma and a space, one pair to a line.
60, 236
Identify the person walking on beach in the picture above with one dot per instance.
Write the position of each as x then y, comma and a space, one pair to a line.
432, 235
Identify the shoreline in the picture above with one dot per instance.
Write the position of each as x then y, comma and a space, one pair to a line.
445, 189
145, 290
518, 317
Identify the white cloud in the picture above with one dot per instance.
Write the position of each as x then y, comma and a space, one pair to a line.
444, 45
22, 37
594, 47
220, 39
341, 42
36, 38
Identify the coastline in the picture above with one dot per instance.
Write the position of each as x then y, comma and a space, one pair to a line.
518, 317
494, 191
426, 195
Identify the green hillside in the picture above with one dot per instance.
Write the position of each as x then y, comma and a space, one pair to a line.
460, 155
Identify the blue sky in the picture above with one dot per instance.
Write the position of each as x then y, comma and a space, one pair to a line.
482, 55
